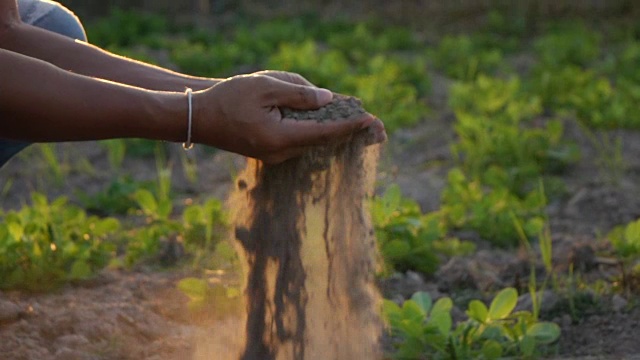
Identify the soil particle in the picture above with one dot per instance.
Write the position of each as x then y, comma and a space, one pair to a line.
342, 107
306, 240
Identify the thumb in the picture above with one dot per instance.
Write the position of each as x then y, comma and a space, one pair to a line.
296, 96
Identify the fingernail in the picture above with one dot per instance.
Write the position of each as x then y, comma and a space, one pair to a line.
323, 96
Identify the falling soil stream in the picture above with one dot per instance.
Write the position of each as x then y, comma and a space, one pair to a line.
305, 236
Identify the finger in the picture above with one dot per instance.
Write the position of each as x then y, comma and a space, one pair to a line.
305, 133
284, 155
286, 76
297, 96
373, 134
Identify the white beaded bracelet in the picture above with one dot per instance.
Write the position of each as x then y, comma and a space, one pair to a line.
188, 145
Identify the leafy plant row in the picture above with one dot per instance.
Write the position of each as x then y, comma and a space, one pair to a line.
49, 243
424, 329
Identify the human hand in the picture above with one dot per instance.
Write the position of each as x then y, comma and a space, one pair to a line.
241, 114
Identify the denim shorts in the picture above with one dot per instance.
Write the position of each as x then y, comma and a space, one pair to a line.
50, 16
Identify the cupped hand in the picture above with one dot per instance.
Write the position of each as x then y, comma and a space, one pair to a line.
241, 114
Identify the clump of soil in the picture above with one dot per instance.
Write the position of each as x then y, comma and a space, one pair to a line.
342, 107
306, 239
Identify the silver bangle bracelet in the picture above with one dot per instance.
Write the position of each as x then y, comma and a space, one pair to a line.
188, 145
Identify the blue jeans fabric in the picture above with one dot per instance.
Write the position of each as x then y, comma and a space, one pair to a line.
50, 16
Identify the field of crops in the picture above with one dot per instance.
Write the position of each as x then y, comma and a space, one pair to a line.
507, 210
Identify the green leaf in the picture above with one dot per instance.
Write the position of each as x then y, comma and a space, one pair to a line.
392, 312
441, 315
527, 345
193, 215
164, 209
39, 200
411, 328
443, 305
411, 348
441, 321
491, 350
423, 300
80, 270
503, 304
16, 230
412, 311
478, 311
106, 226
146, 201
396, 249
544, 332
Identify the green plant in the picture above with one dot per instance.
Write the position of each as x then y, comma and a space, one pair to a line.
497, 140
362, 41
122, 27
116, 198
620, 61
626, 239
325, 68
390, 88
490, 210
48, 243
409, 239
212, 60
144, 242
424, 330
204, 229
598, 103
143, 147
568, 44
57, 167
116, 150
189, 167
461, 58
502, 30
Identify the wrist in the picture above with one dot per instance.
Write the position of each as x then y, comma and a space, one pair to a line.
167, 117
198, 84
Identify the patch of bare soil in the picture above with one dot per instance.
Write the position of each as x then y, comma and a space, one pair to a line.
119, 315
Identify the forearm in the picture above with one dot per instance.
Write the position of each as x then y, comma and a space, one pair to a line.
40, 102
89, 60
